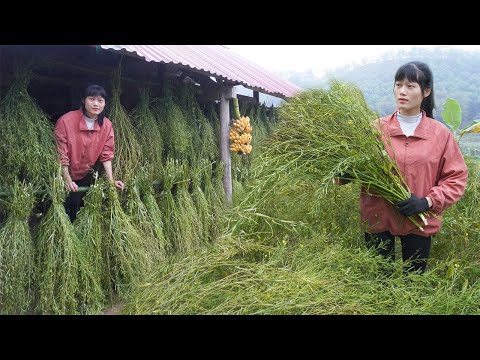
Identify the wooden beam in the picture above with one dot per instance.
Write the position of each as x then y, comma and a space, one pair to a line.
105, 72
224, 141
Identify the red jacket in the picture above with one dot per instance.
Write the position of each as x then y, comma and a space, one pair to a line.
432, 165
80, 148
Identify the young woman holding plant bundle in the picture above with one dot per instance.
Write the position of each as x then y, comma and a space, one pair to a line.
84, 139
430, 162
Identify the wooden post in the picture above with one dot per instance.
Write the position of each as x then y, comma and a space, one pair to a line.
256, 96
226, 93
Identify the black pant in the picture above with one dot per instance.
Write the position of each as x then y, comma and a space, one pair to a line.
74, 200
415, 248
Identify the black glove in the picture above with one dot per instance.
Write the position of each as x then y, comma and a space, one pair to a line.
345, 177
413, 205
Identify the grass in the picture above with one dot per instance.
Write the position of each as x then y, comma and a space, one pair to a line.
301, 251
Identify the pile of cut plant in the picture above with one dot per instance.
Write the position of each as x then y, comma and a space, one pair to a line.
322, 268
299, 277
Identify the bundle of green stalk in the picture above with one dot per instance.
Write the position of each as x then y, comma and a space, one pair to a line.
271, 119
89, 228
191, 235
17, 251
178, 141
202, 133
217, 182
158, 107
185, 94
64, 272
205, 144
214, 120
26, 134
258, 119
151, 236
126, 255
324, 133
155, 216
128, 153
148, 134
215, 195
205, 217
168, 207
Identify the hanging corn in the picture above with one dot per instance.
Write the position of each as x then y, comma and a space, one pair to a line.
240, 133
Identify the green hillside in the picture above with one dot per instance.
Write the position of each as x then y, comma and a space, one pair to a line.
456, 75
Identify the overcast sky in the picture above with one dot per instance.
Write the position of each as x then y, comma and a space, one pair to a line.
320, 58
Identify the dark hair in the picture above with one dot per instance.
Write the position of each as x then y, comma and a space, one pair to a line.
419, 72
95, 90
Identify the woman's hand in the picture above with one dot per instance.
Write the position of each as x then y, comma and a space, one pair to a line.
119, 185
70, 185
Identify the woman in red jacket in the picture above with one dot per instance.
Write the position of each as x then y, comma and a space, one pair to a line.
84, 139
429, 160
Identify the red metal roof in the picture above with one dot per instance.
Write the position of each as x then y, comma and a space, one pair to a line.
216, 60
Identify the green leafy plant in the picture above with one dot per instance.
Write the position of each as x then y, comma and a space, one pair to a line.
452, 115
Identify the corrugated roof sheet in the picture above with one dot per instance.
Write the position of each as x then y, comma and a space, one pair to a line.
216, 60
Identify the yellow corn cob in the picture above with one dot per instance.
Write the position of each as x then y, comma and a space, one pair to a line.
240, 136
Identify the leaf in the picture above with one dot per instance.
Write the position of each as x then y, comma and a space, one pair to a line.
450, 271
452, 115
472, 127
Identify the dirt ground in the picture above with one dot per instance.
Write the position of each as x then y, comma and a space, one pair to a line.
114, 310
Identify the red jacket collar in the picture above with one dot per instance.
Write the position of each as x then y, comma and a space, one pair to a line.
82, 125
422, 131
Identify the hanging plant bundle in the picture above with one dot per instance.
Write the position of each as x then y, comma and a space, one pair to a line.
128, 153
258, 120
17, 252
168, 207
214, 121
136, 210
216, 199
190, 226
186, 100
218, 172
27, 150
59, 257
178, 135
208, 146
159, 111
155, 217
271, 117
199, 200
94, 285
148, 133
125, 251
202, 134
